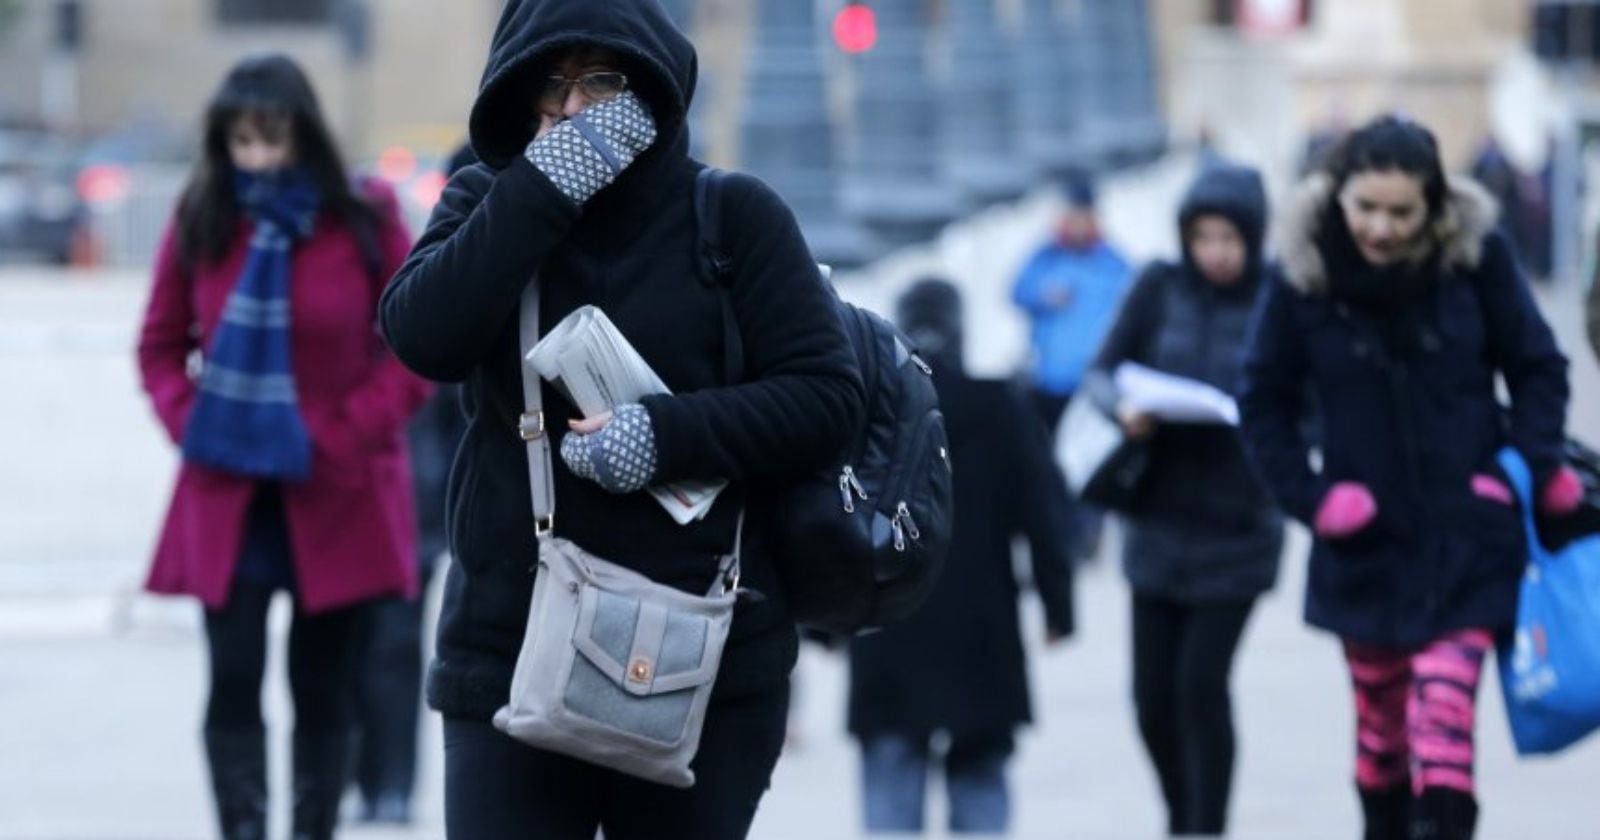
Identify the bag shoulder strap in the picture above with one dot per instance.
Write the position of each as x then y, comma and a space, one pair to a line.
531, 426
715, 264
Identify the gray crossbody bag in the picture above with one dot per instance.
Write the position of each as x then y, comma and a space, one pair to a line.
615, 669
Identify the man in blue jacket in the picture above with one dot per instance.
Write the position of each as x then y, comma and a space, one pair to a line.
1071, 290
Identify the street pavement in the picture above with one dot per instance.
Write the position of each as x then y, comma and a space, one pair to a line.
101, 686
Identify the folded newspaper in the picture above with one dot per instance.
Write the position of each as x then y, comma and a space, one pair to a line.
589, 360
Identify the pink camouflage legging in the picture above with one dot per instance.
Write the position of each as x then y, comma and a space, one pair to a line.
1415, 710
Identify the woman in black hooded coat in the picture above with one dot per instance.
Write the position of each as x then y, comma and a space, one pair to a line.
1203, 537
625, 242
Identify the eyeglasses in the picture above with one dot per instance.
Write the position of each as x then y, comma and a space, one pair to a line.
597, 87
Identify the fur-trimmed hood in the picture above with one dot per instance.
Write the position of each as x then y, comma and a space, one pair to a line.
1470, 215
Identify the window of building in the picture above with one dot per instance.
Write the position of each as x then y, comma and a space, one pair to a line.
275, 11
1567, 30
1233, 13
1222, 12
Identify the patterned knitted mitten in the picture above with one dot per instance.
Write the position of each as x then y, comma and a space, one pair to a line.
620, 457
583, 154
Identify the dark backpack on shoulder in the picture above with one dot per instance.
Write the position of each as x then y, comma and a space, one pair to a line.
860, 544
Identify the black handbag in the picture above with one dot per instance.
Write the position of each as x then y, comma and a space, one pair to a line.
1104, 466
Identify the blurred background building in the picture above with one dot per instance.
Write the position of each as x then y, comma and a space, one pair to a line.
881, 121
944, 123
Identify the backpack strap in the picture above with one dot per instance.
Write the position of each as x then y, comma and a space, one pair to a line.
715, 264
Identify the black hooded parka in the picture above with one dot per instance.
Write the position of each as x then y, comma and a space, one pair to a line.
451, 315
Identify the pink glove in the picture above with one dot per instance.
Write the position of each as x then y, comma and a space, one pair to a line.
1488, 487
1562, 493
1347, 509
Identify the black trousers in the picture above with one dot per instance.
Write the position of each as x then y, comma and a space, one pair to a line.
323, 649
389, 694
497, 788
1182, 657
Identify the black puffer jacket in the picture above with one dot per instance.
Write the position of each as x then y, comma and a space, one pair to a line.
451, 314
1203, 527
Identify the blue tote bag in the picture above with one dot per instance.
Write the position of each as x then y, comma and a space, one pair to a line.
1550, 668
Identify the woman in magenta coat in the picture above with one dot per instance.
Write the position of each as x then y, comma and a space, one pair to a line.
259, 353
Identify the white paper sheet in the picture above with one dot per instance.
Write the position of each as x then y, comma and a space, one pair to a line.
1173, 399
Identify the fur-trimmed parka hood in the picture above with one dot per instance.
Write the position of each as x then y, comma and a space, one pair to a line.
1458, 234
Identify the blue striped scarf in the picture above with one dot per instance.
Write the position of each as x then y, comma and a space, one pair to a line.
246, 416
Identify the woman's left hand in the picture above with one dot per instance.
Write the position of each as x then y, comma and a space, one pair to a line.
1136, 424
590, 425
1562, 493
616, 450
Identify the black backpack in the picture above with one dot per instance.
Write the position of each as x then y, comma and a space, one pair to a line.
860, 544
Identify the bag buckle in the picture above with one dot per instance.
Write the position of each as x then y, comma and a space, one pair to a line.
530, 426
543, 525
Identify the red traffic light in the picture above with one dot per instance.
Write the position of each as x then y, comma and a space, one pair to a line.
855, 28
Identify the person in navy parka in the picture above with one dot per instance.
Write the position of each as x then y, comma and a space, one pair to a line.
1401, 306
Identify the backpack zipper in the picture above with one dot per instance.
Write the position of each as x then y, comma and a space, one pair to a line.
911, 524
919, 445
902, 525
848, 483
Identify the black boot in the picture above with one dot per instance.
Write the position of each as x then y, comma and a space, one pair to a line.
1444, 814
321, 770
238, 760
1387, 812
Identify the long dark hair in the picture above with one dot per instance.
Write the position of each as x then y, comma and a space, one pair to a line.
269, 87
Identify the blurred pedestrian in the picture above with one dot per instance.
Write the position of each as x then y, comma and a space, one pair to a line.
294, 474
601, 210
1070, 290
1322, 138
389, 693
955, 672
1202, 535
1400, 307
1526, 197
